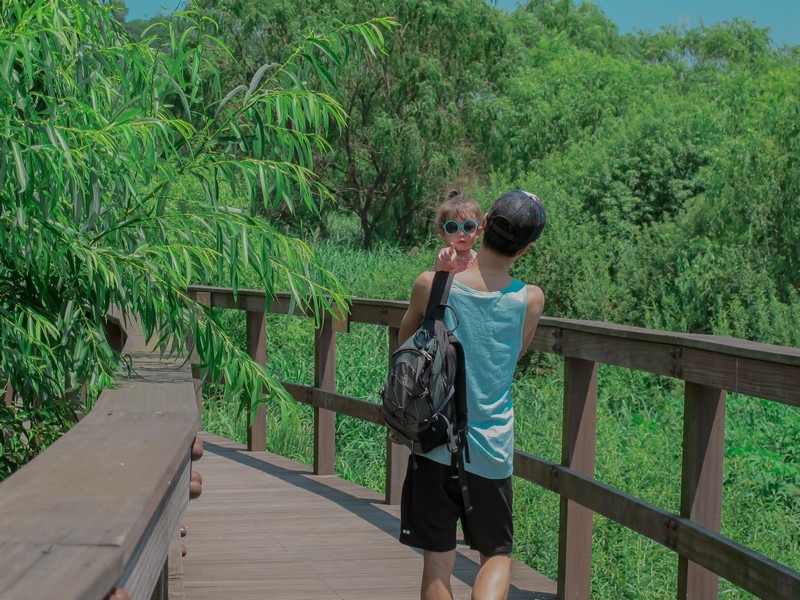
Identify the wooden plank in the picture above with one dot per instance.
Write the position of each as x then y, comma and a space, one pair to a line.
249, 300
146, 568
389, 314
257, 350
396, 454
115, 335
701, 480
266, 527
324, 379
345, 405
42, 570
738, 564
579, 429
775, 379
363, 310
341, 319
246, 299
160, 591
772, 379
552, 328
204, 299
108, 496
175, 568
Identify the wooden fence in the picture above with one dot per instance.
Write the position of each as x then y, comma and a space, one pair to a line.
97, 515
710, 366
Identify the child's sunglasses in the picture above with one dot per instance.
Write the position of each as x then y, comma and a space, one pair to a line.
453, 227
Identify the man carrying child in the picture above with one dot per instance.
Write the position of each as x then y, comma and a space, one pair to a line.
497, 318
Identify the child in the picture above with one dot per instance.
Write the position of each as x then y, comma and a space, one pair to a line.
458, 223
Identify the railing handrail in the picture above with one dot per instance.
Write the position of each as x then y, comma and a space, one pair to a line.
709, 365
363, 311
100, 508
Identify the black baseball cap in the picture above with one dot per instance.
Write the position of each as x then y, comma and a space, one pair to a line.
517, 216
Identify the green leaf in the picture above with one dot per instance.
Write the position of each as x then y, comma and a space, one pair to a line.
22, 172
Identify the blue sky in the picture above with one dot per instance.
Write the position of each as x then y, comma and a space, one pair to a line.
781, 16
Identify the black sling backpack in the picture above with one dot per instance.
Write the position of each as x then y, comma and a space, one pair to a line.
424, 400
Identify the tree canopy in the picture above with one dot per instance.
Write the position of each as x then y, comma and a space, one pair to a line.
406, 139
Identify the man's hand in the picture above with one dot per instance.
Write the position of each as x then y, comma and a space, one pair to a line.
447, 258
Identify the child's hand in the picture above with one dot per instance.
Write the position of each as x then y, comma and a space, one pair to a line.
446, 259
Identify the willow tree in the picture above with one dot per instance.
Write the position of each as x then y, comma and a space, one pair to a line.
98, 136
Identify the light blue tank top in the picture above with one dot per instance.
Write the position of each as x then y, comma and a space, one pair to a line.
490, 329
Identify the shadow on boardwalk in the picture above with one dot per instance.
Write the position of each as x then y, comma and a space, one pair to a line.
266, 527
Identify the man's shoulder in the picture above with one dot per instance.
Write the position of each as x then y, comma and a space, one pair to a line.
422, 288
534, 289
425, 277
535, 297
424, 281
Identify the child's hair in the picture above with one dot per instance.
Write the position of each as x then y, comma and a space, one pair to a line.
457, 205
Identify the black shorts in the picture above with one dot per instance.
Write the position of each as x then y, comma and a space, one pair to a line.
431, 506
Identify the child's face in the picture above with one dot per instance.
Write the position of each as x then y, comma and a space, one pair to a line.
461, 231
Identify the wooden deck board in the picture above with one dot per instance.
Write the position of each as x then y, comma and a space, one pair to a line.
266, 527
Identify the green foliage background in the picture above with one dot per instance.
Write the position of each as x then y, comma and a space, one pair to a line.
667, 161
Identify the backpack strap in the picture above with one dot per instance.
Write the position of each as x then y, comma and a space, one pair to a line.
461, 394
440, 289
462, 454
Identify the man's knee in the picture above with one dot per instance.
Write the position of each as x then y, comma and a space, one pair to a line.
436, 571
501, 558
441, 563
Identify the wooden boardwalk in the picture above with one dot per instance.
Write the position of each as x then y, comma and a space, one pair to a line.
266, 527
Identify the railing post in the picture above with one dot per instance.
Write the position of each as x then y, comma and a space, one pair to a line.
701, 480
396, 454
203, 298
257, 349
325, 379
114, 335
175, 566
579, 432
161, 589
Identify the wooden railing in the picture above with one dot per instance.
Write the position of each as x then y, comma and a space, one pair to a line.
710, 367
97, 515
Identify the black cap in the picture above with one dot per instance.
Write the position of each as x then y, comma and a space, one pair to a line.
517, 216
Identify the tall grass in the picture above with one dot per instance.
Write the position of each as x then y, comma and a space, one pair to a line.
640, 421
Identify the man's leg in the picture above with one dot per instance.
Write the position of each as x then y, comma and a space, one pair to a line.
493, 579
437, 567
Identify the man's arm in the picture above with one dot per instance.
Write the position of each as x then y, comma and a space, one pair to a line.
416, 305
532, 314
